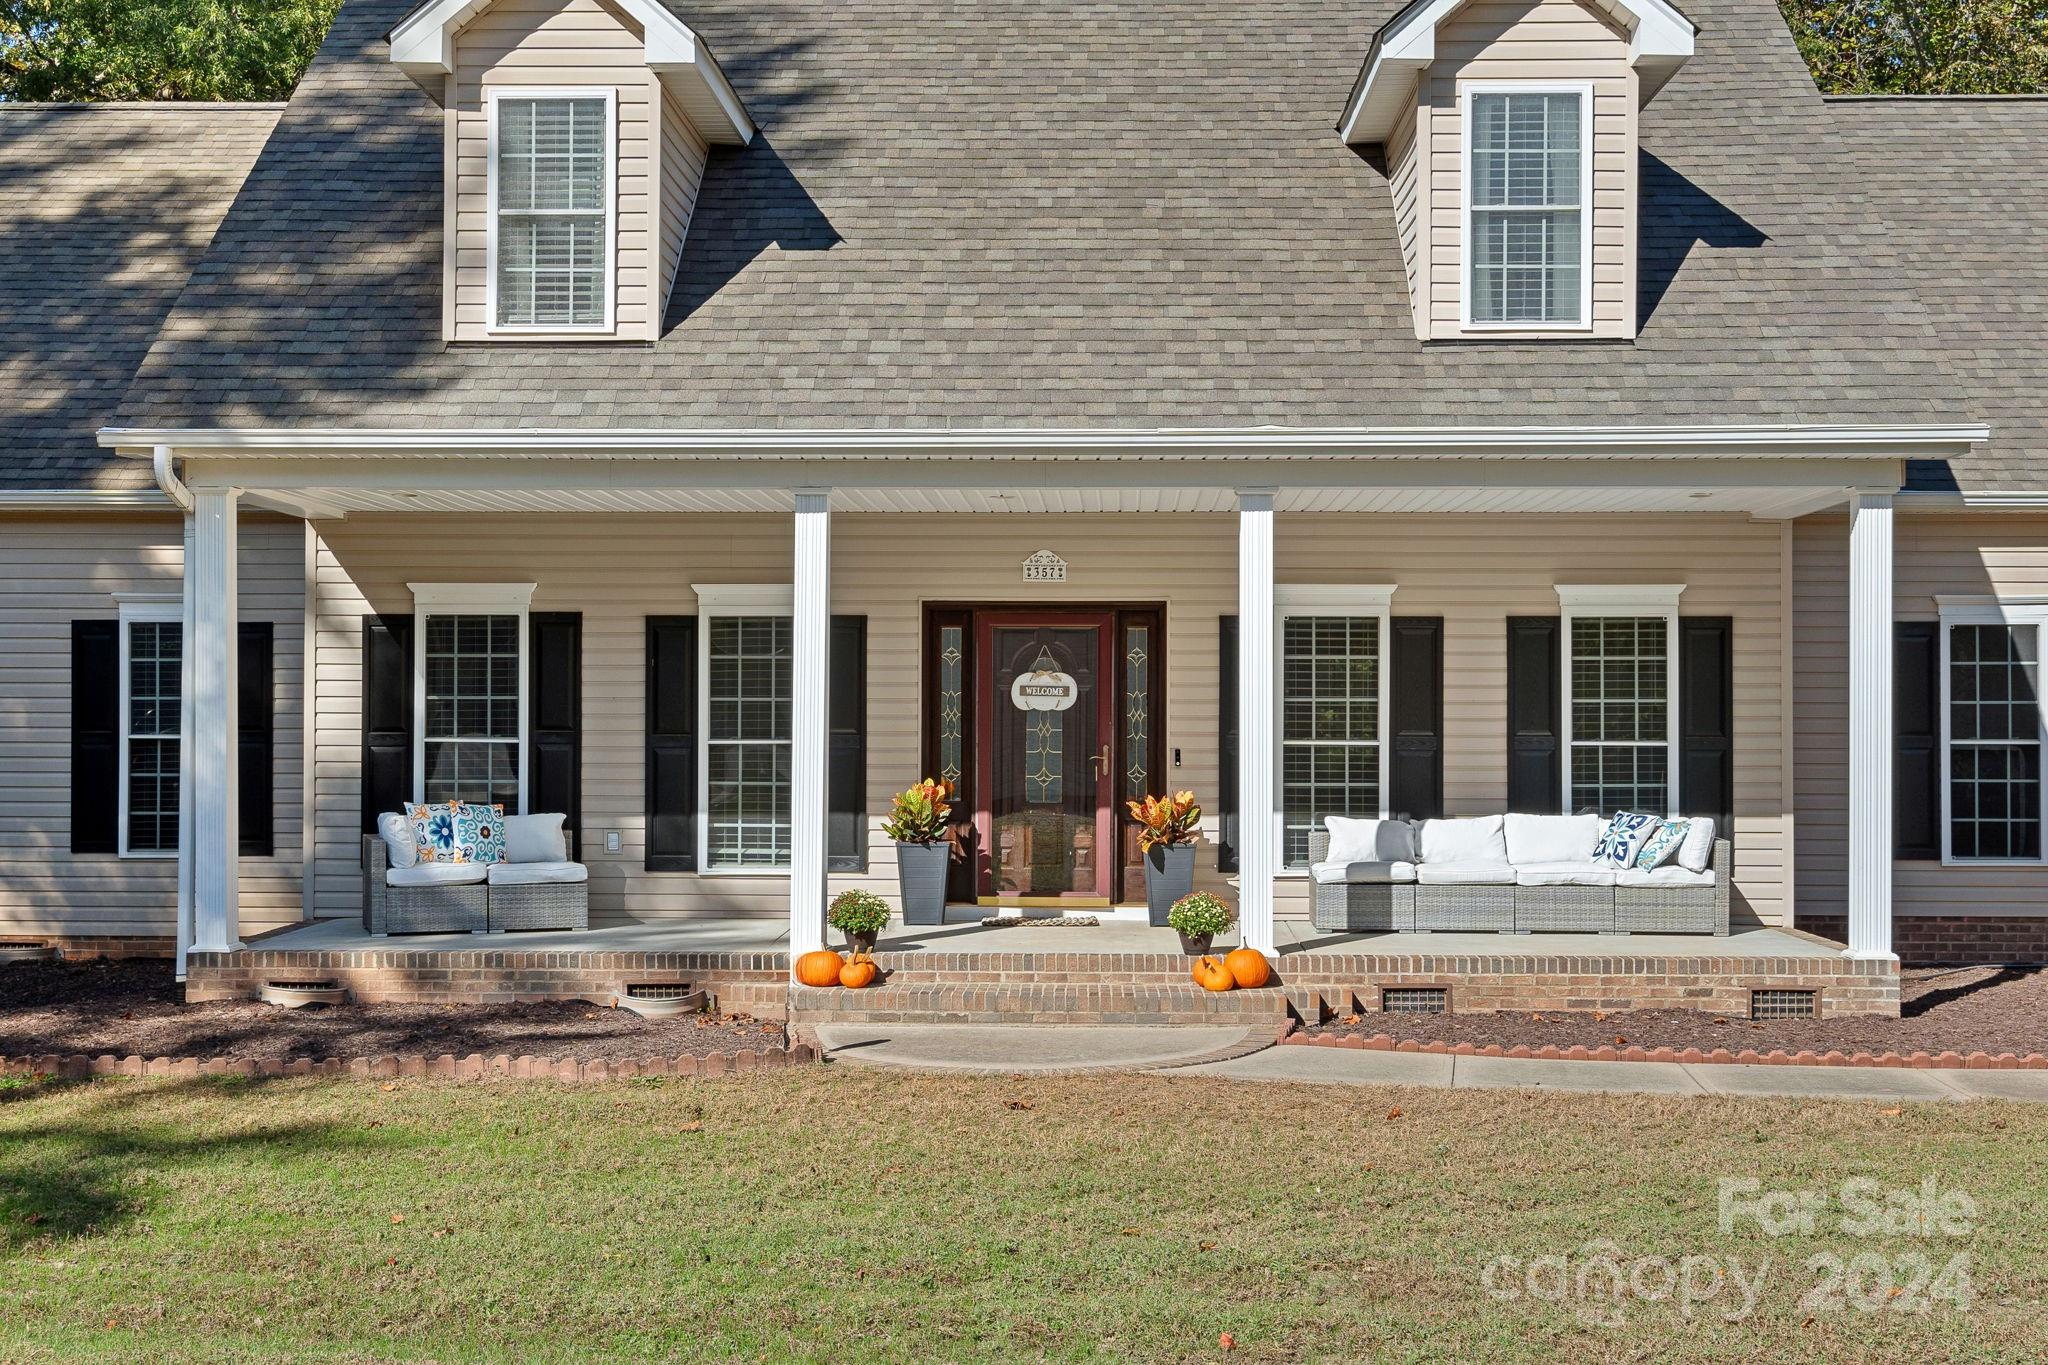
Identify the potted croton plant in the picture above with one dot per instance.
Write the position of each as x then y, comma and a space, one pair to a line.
860, 915
1199, 917
917, 822
1168, 827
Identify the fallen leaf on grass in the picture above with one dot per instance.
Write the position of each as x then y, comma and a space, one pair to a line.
444, 1232
1394, 1113
1205, 1246
397, 1218
1227, 1342
387, 1087
1017, 1104
374, 1123
1893, 1112
1130, 1232
693, 1126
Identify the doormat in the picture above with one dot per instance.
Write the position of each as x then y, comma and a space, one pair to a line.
1054, 922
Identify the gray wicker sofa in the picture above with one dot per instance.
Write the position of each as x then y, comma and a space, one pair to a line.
550, 893
1519, 895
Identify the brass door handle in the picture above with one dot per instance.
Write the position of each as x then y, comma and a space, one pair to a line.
1100, 762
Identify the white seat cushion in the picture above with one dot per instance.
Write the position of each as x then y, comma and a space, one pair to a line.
1465, 874
1481, 840
438, 874
1697, 849
1670, 874
1580, 873
535, 839
396, 831
1365, 873
1551, 838
1369, 841
537, 874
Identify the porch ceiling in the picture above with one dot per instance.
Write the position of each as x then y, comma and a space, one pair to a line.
333, 501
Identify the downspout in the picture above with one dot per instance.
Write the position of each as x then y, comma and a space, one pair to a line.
174, 488
168, 480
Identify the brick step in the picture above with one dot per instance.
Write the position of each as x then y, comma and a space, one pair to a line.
1044, 1003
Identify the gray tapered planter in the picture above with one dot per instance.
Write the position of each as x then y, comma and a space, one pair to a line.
921, 878
1169, 875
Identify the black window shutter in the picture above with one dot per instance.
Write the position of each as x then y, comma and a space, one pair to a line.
387, 716
95, 736
1226, 744
1535, 764
671, 744
846, 763
256, 740
554, 719
1415, 718
1706, 719
1916, 748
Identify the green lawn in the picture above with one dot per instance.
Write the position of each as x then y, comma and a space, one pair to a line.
835, 1214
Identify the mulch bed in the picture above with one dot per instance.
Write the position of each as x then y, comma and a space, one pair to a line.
135, 1008
1943, 1009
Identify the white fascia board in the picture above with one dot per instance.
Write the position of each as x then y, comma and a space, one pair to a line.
1985, 500
1661, 42
1250, 443
424, 45
84, 500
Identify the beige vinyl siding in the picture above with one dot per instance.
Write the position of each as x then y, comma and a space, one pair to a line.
683, 152
1548, 40
1972, 556
1405, 182
556, 44
617, 570
57, 569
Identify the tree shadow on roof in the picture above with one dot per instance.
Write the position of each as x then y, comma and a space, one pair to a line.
1677, 216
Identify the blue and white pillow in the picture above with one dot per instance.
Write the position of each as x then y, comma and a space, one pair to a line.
458, 832
1662, 845
1621, 839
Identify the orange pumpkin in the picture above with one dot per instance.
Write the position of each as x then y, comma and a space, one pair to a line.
1249, 968
1212, 975
820, 968
859, 971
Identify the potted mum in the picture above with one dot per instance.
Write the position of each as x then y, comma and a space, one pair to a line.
917, 822
1168, 827
860, 915
1199, 916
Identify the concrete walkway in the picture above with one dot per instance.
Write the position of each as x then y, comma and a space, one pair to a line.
1343, 1066
1243, 1055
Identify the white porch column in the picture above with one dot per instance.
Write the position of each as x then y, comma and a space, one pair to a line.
210, 723
1870, 726
1258, 828
811, 633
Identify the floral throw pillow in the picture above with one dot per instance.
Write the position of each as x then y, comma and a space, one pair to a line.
1662, 845
1621, 839
458, 832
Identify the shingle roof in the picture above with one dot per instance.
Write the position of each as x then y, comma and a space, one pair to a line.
1957, 185
1062, 214
106, 209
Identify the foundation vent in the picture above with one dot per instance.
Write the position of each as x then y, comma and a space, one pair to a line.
1783, 1004
1415, 1000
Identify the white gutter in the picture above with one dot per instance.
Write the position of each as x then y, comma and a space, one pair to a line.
1253, 443
81, 500
1988, 500
167, 477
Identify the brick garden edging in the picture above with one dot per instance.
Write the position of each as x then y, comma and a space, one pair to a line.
475, 1067
1720, 1056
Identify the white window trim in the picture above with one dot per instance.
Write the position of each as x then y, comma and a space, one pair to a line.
1988, 611
610, 96
1620, 599
1584, 90
145, 608
1373, 600
464, 599
727, 599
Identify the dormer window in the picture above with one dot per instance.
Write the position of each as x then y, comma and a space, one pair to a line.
1526, 243
551, 210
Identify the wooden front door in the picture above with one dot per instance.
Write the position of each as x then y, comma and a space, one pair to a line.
1044, 757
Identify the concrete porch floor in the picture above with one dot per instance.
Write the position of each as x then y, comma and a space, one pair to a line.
1294, 937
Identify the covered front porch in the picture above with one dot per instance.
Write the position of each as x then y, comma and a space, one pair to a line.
1472, 530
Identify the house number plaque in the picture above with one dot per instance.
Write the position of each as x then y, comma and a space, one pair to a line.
1045, 567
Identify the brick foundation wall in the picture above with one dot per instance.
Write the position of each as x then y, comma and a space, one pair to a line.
86, 948
1949, 940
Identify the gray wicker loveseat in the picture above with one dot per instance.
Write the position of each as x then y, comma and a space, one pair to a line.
1513, 874
536, 887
